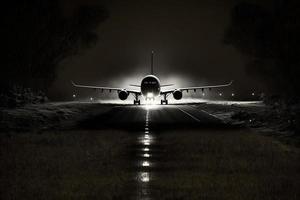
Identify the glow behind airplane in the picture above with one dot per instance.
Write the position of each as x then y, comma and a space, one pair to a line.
150, 88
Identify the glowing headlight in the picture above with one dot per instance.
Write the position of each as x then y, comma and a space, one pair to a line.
150, 95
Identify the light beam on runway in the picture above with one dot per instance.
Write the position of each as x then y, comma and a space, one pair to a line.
146, 139
146, 149
146, 164
144, 177
152, 106
146, 155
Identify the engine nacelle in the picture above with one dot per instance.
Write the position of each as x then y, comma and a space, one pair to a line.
177, 94
123, 95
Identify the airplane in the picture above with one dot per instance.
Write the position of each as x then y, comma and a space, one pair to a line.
150, 88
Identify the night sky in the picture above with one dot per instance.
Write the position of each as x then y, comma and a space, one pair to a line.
187, 37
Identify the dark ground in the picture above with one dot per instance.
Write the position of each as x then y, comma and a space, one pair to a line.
153, 152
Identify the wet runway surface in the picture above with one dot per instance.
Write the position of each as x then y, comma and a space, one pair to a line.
133, 118
148, 152
148, 123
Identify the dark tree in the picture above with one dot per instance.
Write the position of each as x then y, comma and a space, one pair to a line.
36, 35
269, 36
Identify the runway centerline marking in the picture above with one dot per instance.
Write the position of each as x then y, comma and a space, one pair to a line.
193, 117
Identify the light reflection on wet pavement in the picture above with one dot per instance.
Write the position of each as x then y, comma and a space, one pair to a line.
144, 154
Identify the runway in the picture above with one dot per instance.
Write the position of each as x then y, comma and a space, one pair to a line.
114, 151
147, 123
163, 117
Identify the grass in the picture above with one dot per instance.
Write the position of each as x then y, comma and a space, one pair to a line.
226, 165
68, 165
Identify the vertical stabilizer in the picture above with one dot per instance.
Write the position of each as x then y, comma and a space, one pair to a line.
152, 57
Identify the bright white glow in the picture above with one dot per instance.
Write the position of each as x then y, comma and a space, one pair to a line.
147, 136
92, 99
146, 142
144, 177
150, 95
203, 94
145, 164
146, 129
146, 149
253, 93
146, 155
233, 94
152, 106
74, 95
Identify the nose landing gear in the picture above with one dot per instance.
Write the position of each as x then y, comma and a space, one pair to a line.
150, 99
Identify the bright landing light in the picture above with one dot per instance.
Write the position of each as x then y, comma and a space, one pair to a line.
150, 95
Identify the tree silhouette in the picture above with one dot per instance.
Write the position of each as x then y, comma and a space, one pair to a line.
268, 35
37, 35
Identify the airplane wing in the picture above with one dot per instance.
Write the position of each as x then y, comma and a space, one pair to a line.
105, 88
196, 88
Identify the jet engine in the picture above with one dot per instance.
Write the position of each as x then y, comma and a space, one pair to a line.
177, 94
123, 95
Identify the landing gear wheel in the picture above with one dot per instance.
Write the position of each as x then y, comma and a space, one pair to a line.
137, 102
164, 102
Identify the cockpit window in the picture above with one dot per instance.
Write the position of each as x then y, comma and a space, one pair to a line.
150, 82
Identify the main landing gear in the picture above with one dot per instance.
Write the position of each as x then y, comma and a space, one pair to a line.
164, 101
136, 100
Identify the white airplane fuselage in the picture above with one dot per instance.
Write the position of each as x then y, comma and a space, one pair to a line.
150, 87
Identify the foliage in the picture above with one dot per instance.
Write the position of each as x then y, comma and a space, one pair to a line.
38, 35
268, 35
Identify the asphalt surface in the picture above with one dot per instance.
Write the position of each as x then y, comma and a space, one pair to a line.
148, 122
163, 117
106, 151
